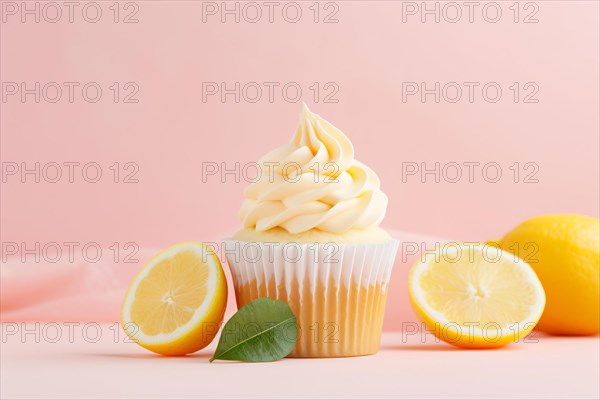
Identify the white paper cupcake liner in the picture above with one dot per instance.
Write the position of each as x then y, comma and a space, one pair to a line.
336, 291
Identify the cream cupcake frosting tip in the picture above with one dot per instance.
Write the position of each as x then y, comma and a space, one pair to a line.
314, 182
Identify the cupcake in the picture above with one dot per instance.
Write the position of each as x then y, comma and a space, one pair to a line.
311, 238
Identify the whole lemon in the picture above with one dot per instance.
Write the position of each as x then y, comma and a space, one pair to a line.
564, 251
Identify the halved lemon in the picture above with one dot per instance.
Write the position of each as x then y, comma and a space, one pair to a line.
175, 304
476, 295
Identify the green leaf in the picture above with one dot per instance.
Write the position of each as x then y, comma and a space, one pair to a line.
263, 330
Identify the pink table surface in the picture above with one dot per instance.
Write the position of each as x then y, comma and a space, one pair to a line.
406, 367
52, 358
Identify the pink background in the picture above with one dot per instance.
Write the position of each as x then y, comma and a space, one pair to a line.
368, 54
171, 132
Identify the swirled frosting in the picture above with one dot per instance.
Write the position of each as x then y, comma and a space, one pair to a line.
314, 182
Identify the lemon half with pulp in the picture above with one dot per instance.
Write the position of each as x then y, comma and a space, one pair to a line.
175, 304
476, 296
